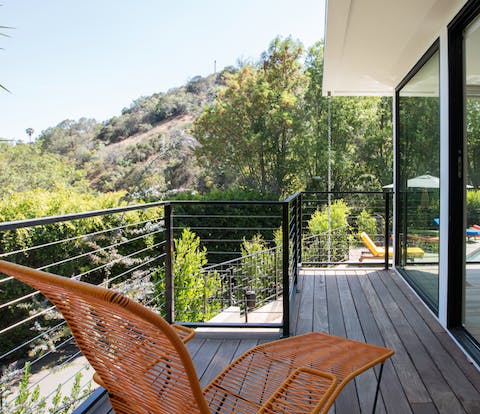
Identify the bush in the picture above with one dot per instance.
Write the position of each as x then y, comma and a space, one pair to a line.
111, 257
261, 268
28, 400
195, 291
366, 223
473, 207
339, 212
316, 247
226, 221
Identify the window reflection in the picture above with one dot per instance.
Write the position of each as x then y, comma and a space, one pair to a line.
418, 186
471, 309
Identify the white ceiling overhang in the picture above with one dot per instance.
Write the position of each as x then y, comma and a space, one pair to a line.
370, 45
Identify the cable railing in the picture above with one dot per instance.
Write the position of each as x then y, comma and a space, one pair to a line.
247, 290
131, 249
246, 256
332, 224
118, 248
223, 225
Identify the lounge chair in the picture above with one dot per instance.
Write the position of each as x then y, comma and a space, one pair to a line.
379, 252
423, 239
471, 232
142, 361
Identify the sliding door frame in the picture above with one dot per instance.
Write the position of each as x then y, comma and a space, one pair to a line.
457, 194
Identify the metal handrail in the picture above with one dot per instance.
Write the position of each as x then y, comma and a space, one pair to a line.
291, 215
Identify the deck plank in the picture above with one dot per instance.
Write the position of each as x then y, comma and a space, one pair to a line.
304, 317
367, 382
465, 365
205, 354
244, 346
392, 392
428, 374
447, 366
442, 395
347, 401
220, 360
320, 312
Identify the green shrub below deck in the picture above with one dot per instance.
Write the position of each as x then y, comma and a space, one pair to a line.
29, 400
261, 271
196, 293
219, 222
111, 248
316, 247
366, 223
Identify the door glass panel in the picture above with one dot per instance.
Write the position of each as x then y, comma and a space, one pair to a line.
418, 186
471, 307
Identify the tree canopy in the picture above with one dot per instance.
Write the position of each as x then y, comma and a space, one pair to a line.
260, 126
267, 129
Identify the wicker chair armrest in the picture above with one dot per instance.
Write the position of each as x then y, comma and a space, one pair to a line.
184, 333
303, 389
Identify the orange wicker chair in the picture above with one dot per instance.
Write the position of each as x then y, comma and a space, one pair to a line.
144, 365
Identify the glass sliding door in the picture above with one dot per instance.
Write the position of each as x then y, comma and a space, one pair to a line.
471, 285
417, 177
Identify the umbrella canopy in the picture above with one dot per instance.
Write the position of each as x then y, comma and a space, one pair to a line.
423, 181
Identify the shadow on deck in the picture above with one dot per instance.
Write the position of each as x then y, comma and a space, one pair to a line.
427, 374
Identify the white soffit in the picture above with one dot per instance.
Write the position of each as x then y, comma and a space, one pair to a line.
370, 45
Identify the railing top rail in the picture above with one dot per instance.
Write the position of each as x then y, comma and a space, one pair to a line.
12, 225
347, 192
228, 202
292, 197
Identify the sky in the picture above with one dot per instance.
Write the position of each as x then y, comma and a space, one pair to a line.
67, 59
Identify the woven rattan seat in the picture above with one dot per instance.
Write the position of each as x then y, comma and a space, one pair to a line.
143, 363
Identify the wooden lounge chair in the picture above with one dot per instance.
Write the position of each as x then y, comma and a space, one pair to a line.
423, 239
379, 252
142, 361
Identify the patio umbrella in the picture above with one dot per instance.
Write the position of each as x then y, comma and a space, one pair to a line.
422, 181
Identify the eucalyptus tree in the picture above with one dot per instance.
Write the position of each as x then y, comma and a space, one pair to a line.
250, 135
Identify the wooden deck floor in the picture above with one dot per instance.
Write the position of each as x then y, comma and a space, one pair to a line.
428, 373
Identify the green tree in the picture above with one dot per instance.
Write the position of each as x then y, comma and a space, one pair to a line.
195, 291
25, 167
73, 139
361, 136
251, 134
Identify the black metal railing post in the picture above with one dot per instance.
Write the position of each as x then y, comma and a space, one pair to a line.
295, 240
387, 227
285, 269
299, 228
169, 285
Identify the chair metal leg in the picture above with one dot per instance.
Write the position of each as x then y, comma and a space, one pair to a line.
378, 388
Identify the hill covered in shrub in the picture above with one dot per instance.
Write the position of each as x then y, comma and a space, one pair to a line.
145, 151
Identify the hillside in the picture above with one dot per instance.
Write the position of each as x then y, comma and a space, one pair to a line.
147, 163
147, 150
